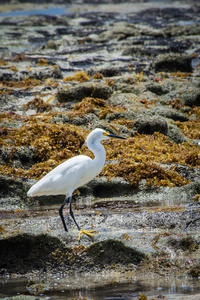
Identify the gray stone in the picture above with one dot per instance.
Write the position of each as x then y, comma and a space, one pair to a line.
79, 92
173, 63
149, 125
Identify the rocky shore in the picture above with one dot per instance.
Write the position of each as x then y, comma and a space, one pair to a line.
131, 68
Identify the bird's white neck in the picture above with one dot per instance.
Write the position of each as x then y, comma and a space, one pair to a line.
99, 153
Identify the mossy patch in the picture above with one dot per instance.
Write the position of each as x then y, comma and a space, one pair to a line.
149, 157
79, 76
3, 62
25, 83
53, 143
42, 62
191, 128
155, 148
143, 156
90, 105
39, 104
7, 117
124, 122
14, 68
153, 173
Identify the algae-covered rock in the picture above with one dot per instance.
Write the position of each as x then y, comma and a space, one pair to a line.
149, 125
191, 97
79, 92
114, 252
176, 135
51, 44
195, 271
13, 186
25, 252
187, 243
120, 30
20, 156
158, 89
171, 113
173, 63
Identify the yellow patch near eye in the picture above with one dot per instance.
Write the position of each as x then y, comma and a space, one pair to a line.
106, 133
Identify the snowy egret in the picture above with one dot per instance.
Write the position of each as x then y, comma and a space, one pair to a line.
74, 173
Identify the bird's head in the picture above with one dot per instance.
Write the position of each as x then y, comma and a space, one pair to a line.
98, 135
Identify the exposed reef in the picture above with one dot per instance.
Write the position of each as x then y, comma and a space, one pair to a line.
133, 72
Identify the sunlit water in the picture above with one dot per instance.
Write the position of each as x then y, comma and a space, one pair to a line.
14, 287
49, 11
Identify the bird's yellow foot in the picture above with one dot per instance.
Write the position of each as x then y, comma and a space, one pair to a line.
87, 232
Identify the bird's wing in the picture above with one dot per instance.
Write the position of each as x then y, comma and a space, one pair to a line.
64, 178
45, 186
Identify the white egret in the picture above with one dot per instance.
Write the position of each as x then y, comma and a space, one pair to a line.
74, 173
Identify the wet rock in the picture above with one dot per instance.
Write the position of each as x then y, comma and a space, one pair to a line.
79, 92
42, 73
141, 50
173, 63
9, 75
18, 157
114, 252
106, 72
149, 125
190, 173
13, 186
78, 121
175, 135
155, 14
7, 99
195, 271
184, 30
191, 97
160, 220
120, 30
129, 115
103, 188
51, 44
184, 243
190, 189
158, 89
25, 252
171, 114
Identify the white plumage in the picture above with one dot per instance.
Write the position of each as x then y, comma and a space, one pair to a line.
74, 172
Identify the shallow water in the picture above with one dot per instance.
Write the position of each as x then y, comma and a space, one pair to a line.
170, 289
117, 7
95, 286
49, 11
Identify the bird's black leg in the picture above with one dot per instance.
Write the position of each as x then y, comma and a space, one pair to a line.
71, 212
61, 213
87, 232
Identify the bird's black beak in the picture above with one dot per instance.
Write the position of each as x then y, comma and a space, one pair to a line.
116, 136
